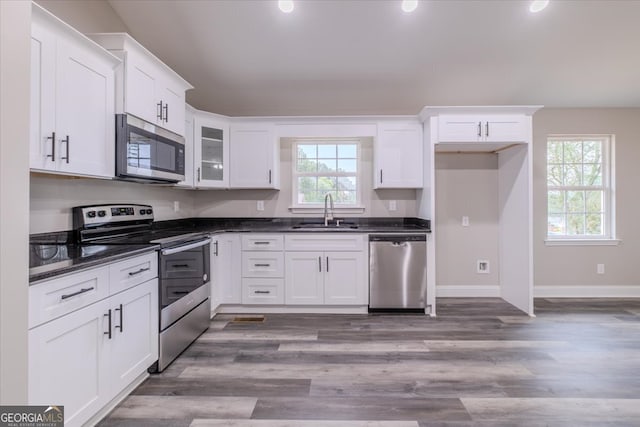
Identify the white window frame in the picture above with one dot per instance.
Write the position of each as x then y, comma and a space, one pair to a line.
608, 188
318, 207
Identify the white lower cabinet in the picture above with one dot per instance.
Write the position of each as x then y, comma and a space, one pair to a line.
226, 287
68, 363
262, 269
134, 338
84, 358
325, 277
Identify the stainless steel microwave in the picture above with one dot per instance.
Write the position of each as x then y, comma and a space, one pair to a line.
146, 152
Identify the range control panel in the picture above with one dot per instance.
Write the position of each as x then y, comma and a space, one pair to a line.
101, 214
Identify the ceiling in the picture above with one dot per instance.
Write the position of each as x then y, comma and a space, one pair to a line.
352, 57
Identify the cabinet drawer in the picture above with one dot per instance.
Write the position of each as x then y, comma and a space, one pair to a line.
262, 264
262, 291
325, 242
262, 242
133, 271
57, 297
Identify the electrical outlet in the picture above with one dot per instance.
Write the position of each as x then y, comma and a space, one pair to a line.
483, 267
392, 205
465, 221
600, 268
176, 206
260, 205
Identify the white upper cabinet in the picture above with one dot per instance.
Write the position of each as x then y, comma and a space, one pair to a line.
211, 151
469, 129
482, 128
146, 87
398, 155
255, 155
189, 155
72, 100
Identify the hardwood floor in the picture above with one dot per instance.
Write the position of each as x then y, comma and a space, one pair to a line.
481, 362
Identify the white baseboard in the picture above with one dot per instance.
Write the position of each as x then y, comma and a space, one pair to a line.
465, 291
262, 309
632, 291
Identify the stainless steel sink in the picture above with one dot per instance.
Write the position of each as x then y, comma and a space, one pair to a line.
330, 227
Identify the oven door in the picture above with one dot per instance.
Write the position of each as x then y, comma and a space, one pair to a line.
147, 152
184, 280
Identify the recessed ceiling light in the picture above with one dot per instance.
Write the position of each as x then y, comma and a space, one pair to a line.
538, 5
286, 5
409, 5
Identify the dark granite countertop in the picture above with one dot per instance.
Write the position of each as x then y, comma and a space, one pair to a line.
54, 254
48, 260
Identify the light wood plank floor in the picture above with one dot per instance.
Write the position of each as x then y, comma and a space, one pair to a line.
481, 362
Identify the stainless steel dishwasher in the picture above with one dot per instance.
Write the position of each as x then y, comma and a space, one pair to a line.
397, 272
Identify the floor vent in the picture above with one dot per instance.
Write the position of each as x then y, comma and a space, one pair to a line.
248, 319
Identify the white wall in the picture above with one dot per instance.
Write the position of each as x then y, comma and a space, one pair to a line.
15, 57
466, 185
88, 16
52, 198
575, 266
242, 203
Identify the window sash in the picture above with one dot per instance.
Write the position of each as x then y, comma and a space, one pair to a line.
326, 174
606, 168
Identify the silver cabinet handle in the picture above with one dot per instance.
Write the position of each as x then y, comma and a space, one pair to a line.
320, 264
327, 264
479, 129
166, 113
269, 176
81, 291
486, 129
215, 245
53, 146
159, 113
261, 292
142, 270
198, 174
120, 325
67, 142
262, 265
108, 315
261, 243
380, 176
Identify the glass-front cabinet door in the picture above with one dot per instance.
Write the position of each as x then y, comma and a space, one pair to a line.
211, 151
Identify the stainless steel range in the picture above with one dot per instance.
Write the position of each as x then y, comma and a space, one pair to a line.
184, 269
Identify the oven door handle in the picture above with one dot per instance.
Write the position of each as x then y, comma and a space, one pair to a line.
183, 248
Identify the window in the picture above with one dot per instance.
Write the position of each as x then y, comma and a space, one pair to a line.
326, 167
579, 193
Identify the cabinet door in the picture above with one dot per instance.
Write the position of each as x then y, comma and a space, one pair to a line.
304, 278
140, 83
68, 363
173, 104
460, 128
345, 280
134, 345
254, 156
43, 91
188, 149
226, 273
508, 128
211, 152
85, 115
398, 156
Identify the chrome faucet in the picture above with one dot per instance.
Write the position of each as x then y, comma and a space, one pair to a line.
328, 213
